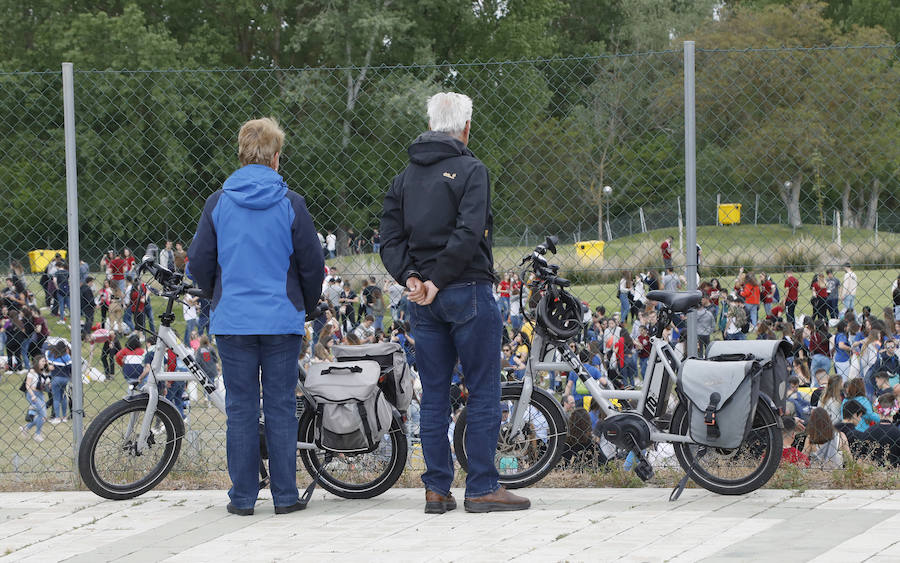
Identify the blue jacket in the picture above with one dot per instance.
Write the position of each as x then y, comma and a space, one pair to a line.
257, 253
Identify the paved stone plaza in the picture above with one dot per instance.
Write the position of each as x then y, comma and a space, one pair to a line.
563, 525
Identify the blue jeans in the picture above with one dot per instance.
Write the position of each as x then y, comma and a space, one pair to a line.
379, 322
817, 362
463, 321
40, 412
127, 318
628, 371
188, 327
242, 358
60, 401
175, 395
515, 321
62, 302
752, 314
849, 301
642, 362
624, 307
503, 304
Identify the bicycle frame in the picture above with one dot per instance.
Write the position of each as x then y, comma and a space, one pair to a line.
652, 400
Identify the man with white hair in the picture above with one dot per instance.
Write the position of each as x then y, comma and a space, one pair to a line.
436, 238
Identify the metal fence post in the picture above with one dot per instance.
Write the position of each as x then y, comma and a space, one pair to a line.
690, 181
74, 261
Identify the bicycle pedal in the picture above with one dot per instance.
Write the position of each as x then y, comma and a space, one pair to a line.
643, 470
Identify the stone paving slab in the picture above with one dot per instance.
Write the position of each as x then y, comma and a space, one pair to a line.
563, 525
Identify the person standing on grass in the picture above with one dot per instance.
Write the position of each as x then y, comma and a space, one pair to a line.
257, 255
436, 239
792, 290
666, 250
848, 289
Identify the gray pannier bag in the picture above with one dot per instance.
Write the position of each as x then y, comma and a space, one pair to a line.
352, 413
721, 400
396, 377
772, 357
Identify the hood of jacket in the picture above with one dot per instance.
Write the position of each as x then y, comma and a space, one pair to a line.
434, 146
255, 187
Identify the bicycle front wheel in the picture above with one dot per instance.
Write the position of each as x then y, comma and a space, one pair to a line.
354, 475
524, 458
732, 471
109, 461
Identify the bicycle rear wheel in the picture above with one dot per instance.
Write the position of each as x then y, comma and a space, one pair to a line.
732, 471
354, 475
108, 460
525, 458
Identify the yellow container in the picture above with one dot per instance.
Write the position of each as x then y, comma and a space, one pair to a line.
590, 252
38, 259
729, 213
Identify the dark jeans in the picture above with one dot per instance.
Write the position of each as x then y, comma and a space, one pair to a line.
243, 356
463, 322
789, 307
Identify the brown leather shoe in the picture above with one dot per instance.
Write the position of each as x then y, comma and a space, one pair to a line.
501, 499
438, 504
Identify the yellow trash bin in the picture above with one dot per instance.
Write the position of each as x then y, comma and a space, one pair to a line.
38, 259
590, 252
729, 213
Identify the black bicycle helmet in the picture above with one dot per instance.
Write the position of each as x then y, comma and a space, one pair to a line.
560, 313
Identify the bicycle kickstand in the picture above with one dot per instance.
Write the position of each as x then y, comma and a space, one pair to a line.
679, 488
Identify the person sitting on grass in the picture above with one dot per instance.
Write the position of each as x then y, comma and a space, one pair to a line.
826, 446
856, 390
852, 412
884, 436
789, 453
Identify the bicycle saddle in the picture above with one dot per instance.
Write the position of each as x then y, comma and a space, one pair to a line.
677, 301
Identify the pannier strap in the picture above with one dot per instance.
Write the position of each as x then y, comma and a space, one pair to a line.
367, 430
712, 429
320, 415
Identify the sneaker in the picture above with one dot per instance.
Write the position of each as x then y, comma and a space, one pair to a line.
38, 438
55, 420
23, 371
60, 322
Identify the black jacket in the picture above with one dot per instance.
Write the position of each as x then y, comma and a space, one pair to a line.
437, 223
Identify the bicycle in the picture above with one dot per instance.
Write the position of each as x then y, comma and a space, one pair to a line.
532, 439
133, 444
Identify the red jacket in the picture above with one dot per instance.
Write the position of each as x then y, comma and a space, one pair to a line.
750, 293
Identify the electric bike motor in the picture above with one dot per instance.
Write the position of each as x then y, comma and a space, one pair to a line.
627, 430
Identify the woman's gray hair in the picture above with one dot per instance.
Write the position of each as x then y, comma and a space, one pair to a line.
448, 112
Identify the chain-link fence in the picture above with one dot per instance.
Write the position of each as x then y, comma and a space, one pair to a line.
797, 169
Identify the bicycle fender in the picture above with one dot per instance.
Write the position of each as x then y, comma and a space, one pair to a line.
518, 389
141, 396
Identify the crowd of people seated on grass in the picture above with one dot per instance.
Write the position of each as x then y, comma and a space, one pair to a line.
838, 354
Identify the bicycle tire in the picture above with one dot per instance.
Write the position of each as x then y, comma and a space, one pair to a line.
764, 444
537, 467
324, 463
169, 436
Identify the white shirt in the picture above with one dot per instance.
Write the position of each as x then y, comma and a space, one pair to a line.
331, 241
189, 312
321, 240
